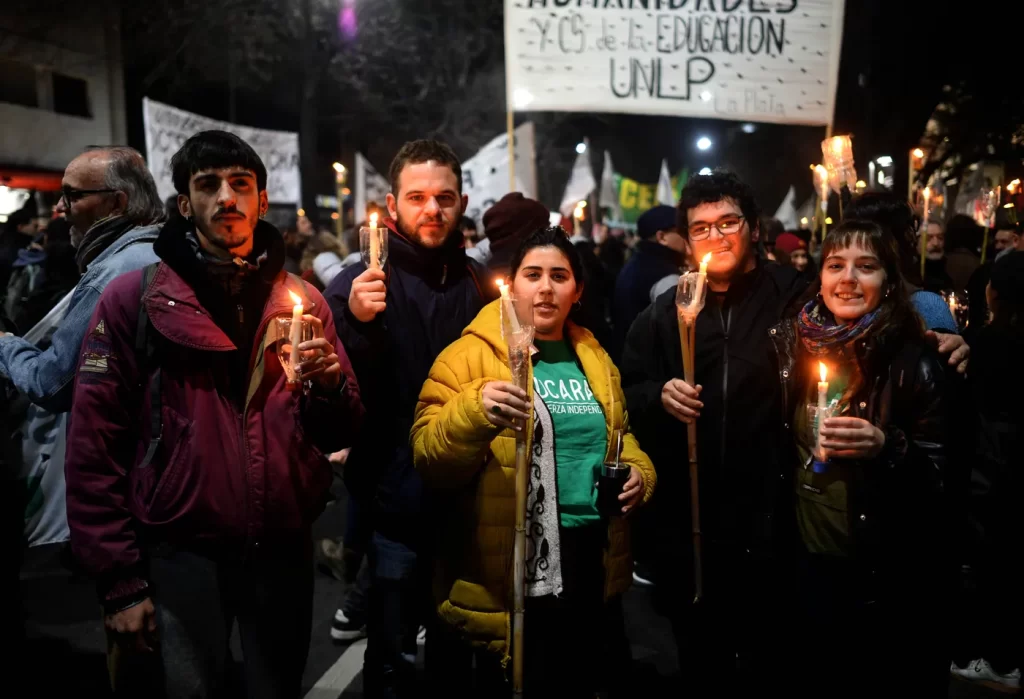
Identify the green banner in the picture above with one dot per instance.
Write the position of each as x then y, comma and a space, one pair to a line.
637, 197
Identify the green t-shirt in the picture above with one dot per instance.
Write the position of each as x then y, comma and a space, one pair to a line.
580, 437
822, 510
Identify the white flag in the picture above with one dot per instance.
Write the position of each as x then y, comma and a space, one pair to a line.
609, 196
581, 183
485, 175
806, 212
786, 213
371, 188
665, 193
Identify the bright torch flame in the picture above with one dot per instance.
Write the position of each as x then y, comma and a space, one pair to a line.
823, 371
296, 299
1012, 186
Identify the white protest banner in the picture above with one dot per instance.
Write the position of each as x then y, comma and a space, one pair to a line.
750, 60
485, 175
609, 195
371, 188
167, 128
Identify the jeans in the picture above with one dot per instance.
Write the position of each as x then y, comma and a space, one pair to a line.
397, 595
198, 599
358, 533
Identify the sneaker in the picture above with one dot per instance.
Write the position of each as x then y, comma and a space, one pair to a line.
643, 582
981, 671
421, 636
345, 630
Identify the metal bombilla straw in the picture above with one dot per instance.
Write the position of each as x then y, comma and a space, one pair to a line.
690, 296
517, 332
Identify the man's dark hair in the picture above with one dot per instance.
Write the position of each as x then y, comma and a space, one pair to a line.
208, 150
709, 189
963, 232
416, 152
467, 224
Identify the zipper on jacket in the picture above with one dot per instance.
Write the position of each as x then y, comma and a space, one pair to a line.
726, 322
241, 316
444, 274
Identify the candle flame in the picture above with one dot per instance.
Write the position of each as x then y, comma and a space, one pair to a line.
707, 258
823, 371
927, 193
373, 219
918, 153
500, 283
296, 299
1012, 186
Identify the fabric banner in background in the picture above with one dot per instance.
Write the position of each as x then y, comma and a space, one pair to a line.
750, 61
485, 175
167, 128
637, 197
370, 188
608, 199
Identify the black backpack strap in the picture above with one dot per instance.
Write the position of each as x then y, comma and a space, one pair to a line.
145, 357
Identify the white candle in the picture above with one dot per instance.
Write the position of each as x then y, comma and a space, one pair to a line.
374, 243
927, 197
702, 276
822, 402
510, 309
295, 335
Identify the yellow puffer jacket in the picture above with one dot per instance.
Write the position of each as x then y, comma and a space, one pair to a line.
456, 449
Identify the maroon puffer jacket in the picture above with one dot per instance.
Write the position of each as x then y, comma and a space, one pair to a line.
219, 479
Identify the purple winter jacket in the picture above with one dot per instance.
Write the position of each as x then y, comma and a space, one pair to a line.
229, 482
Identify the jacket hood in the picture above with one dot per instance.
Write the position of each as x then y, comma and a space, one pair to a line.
142, 234
29, 256
487, 326
174, 247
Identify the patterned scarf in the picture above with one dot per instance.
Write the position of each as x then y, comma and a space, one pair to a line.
821, 334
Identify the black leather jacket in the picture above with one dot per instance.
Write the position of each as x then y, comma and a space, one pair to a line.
895, 500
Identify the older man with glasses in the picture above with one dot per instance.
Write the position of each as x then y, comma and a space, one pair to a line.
726, 638
111, 201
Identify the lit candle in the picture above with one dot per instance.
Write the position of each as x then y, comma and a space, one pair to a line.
924, 229
578, 217
374, 242
295, 335
702, 276
510, 309
822, 402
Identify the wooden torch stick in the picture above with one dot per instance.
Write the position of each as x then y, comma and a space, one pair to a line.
687, 340
521, 377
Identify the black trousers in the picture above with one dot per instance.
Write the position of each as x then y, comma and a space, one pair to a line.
570, 641
198, 599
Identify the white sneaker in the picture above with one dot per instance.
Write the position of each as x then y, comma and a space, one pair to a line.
344, 629
981, 671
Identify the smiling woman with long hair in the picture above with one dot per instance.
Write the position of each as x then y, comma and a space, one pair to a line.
867, 511
464, 443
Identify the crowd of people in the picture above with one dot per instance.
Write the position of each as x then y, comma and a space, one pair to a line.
198, 434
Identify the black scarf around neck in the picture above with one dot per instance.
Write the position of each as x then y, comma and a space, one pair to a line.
100, 237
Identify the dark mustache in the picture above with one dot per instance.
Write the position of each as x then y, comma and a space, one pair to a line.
226, 212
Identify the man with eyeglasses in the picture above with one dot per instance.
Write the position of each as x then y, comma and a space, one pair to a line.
725, 638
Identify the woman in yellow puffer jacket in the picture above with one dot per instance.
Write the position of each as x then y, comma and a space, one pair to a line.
464, 446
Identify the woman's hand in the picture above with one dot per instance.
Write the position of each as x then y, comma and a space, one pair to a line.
851, 438
632, 491
505, 405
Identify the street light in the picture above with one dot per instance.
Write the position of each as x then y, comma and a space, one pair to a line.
339, 181
703, 143
704, 171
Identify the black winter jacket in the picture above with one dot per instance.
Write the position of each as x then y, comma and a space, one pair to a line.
897, 518
740, 431
432, 295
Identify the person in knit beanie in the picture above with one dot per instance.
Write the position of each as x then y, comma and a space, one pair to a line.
795, 248
507, 223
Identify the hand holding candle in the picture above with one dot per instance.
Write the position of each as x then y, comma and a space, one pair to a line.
822, 408
373, 243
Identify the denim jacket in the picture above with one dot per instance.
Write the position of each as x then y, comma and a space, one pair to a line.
47, 377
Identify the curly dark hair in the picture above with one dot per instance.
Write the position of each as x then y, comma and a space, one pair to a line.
709, 189
421, 151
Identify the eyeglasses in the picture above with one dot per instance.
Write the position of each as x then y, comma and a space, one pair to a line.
727, 225
70, 194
